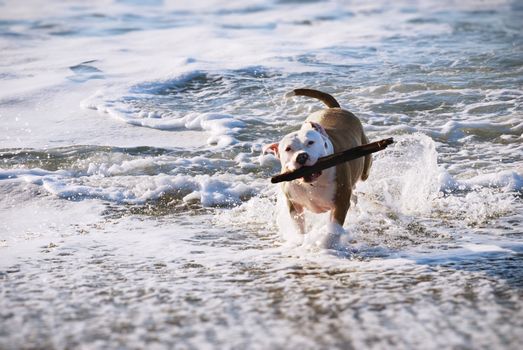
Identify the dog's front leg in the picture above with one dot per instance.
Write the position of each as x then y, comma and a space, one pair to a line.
335, 228
342, 200
339, 214
297, 215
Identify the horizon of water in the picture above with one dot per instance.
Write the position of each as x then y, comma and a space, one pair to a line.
136, 209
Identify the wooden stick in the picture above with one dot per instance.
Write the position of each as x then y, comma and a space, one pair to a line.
333, 159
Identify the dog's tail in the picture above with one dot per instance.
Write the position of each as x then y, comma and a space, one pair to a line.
322, 96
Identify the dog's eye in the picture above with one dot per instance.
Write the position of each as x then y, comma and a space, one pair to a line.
288, 149
310, 143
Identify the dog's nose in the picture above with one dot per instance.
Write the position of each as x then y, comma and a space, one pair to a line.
302, 158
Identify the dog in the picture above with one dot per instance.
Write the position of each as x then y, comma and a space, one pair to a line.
324, 132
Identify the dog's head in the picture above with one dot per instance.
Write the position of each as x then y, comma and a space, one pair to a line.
302, 148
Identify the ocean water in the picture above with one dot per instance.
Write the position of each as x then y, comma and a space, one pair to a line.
136, 209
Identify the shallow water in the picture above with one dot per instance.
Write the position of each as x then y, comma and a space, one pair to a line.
136, 210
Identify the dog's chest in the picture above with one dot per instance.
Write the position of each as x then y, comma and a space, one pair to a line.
317, 197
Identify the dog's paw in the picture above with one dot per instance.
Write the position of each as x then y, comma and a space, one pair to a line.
330, 237
329, 241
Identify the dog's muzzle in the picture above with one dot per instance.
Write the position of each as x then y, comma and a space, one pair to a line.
302, 158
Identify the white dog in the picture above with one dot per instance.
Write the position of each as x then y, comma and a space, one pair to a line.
323, 133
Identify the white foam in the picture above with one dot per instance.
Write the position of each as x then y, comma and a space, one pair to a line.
508, 180
485, 248
221, 128
406, 176
209, 191
455, 130
29, 174
118, 166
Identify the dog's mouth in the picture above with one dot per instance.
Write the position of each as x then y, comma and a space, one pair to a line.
311, 177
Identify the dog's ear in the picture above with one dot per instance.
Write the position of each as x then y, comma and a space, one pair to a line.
272, 149
318, 128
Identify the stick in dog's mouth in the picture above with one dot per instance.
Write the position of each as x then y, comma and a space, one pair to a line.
308, 172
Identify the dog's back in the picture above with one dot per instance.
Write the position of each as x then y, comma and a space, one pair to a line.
344, 130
